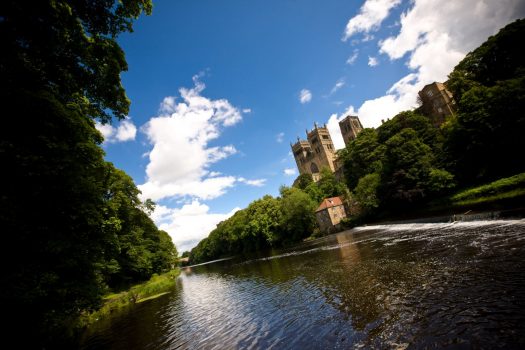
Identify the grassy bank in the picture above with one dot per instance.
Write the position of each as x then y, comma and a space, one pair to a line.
506, 188
506, 194
158, 285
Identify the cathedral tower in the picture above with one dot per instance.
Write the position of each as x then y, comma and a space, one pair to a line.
350, 127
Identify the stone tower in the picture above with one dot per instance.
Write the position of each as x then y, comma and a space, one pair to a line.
315, 153
350, 127
436, 102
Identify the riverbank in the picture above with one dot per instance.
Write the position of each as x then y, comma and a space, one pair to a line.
504, 198
157, 286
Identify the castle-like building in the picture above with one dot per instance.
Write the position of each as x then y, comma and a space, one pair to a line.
436, 103
318, 151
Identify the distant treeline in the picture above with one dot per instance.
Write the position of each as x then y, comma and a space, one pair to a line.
73, 225
406, 162
269, 222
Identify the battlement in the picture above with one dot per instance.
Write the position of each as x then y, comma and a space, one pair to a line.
318, 151
315, 153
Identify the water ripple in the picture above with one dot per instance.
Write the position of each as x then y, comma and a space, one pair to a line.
384, 286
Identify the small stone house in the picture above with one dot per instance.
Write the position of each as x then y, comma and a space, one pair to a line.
329, 213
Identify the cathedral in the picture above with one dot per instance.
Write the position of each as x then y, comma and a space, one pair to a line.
318, 151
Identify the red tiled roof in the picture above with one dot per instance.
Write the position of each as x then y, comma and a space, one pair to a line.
330, 202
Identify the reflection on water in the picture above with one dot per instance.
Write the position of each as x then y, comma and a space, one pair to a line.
392, 286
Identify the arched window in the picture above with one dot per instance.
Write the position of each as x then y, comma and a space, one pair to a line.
314, 168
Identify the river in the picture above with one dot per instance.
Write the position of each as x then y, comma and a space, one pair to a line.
458, 285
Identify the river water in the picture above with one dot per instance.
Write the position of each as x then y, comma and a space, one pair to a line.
457, 285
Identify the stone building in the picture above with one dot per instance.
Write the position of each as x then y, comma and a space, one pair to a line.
318, 151
350, 127
436, 102
329, 213
314, 153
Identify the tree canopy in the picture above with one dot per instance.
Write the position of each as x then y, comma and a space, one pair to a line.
73, 223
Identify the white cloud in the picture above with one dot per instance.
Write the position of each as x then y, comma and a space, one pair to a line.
370, 16
189, 224
279, 137
105, 129
180, 157
305, 96
247, 110
333, 127
436, 35
372, 61
126, 131
339, 84
255, 183
351, 60
290, 171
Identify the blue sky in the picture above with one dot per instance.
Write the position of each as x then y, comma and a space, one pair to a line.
220, 88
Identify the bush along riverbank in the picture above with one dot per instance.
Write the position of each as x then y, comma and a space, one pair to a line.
157, 286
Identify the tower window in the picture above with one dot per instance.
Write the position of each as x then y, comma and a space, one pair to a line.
325, 137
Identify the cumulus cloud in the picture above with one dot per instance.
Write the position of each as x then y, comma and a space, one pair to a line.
351, 60
189, 224
435, 36
279, 137
290, 171
126, 131
372, 61
369, 18
180, 156
305, 96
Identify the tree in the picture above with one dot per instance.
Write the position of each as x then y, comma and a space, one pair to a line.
366, 192
497, 59
406, 168
489, 85
329, 185
364, 156
298, 218
60, 68
303, 181
262, 228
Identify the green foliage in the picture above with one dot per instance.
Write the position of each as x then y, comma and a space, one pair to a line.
488, 130
262, 228
266, 222
70, 223
298, 218
366, 192
69, 49
497, 59
440, 181
407, 165
501, 186
489, 85
328, 184
141, 249
397, 165
364, 156
303, 181
113, 303
408, 120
